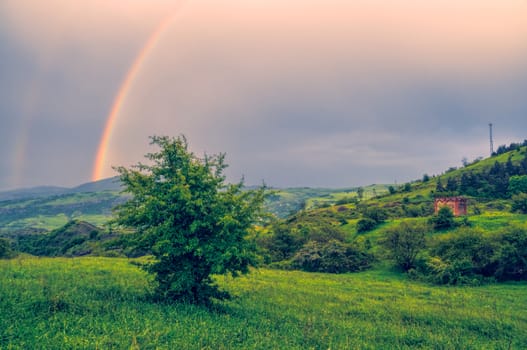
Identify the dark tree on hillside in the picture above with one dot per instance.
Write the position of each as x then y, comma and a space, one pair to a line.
499, 180
510, 168
518, 184
523, 166
365, 225
5, 249
360, 193
439, 186
519, 203
451, 185
193, 222
464, 183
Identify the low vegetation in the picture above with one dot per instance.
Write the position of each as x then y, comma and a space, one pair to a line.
57, 303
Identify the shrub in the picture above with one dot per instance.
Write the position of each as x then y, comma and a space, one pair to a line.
404, 242
444, 219
5, 249
371, 217
469, 256
465, 256
518, 184
375, 213
282, 244
365, 225
288, 237
519, 203
450, 272
333, 257
346, 200
512, 256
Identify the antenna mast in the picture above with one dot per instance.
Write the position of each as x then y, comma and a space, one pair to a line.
491, 142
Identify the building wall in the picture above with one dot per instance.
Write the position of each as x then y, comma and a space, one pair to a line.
457, 204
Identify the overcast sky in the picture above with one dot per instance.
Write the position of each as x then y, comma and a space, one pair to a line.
332, 93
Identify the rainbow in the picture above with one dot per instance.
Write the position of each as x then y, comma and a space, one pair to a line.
124, 88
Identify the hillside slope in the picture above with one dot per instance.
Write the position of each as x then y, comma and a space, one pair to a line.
487, 243
76, 238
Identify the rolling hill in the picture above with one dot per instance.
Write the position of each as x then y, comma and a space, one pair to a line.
47, 208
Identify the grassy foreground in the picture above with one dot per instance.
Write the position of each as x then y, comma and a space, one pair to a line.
101, 303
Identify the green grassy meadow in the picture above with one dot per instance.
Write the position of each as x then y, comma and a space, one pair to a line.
103, 303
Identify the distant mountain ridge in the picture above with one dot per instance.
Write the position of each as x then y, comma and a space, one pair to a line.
484, 181
109, 184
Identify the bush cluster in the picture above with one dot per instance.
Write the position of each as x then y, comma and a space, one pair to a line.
333, 257
470, 256
371, 218
315, 244
5, 249
466, 256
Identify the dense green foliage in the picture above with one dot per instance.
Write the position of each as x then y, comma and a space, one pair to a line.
404, 242
313, 243
444, 219
194, 224
85, 303
470, 256
518, 184
5, 249
333, 256
519, 203
371, 218
290, 235
366, 224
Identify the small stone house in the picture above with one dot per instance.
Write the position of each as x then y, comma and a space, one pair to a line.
457, 204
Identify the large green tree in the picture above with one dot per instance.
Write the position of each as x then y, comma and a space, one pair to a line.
194, 223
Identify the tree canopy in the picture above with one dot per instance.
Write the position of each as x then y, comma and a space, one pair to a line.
193, 222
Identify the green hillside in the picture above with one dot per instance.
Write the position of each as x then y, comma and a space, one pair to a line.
487, 244
76, 238
46, 210
284, 202
51, 212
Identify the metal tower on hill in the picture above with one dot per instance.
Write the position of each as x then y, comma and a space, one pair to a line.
491, 141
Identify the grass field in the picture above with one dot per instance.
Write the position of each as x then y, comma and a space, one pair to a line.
102, 303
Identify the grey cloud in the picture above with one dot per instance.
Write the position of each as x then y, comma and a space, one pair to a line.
329, 100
